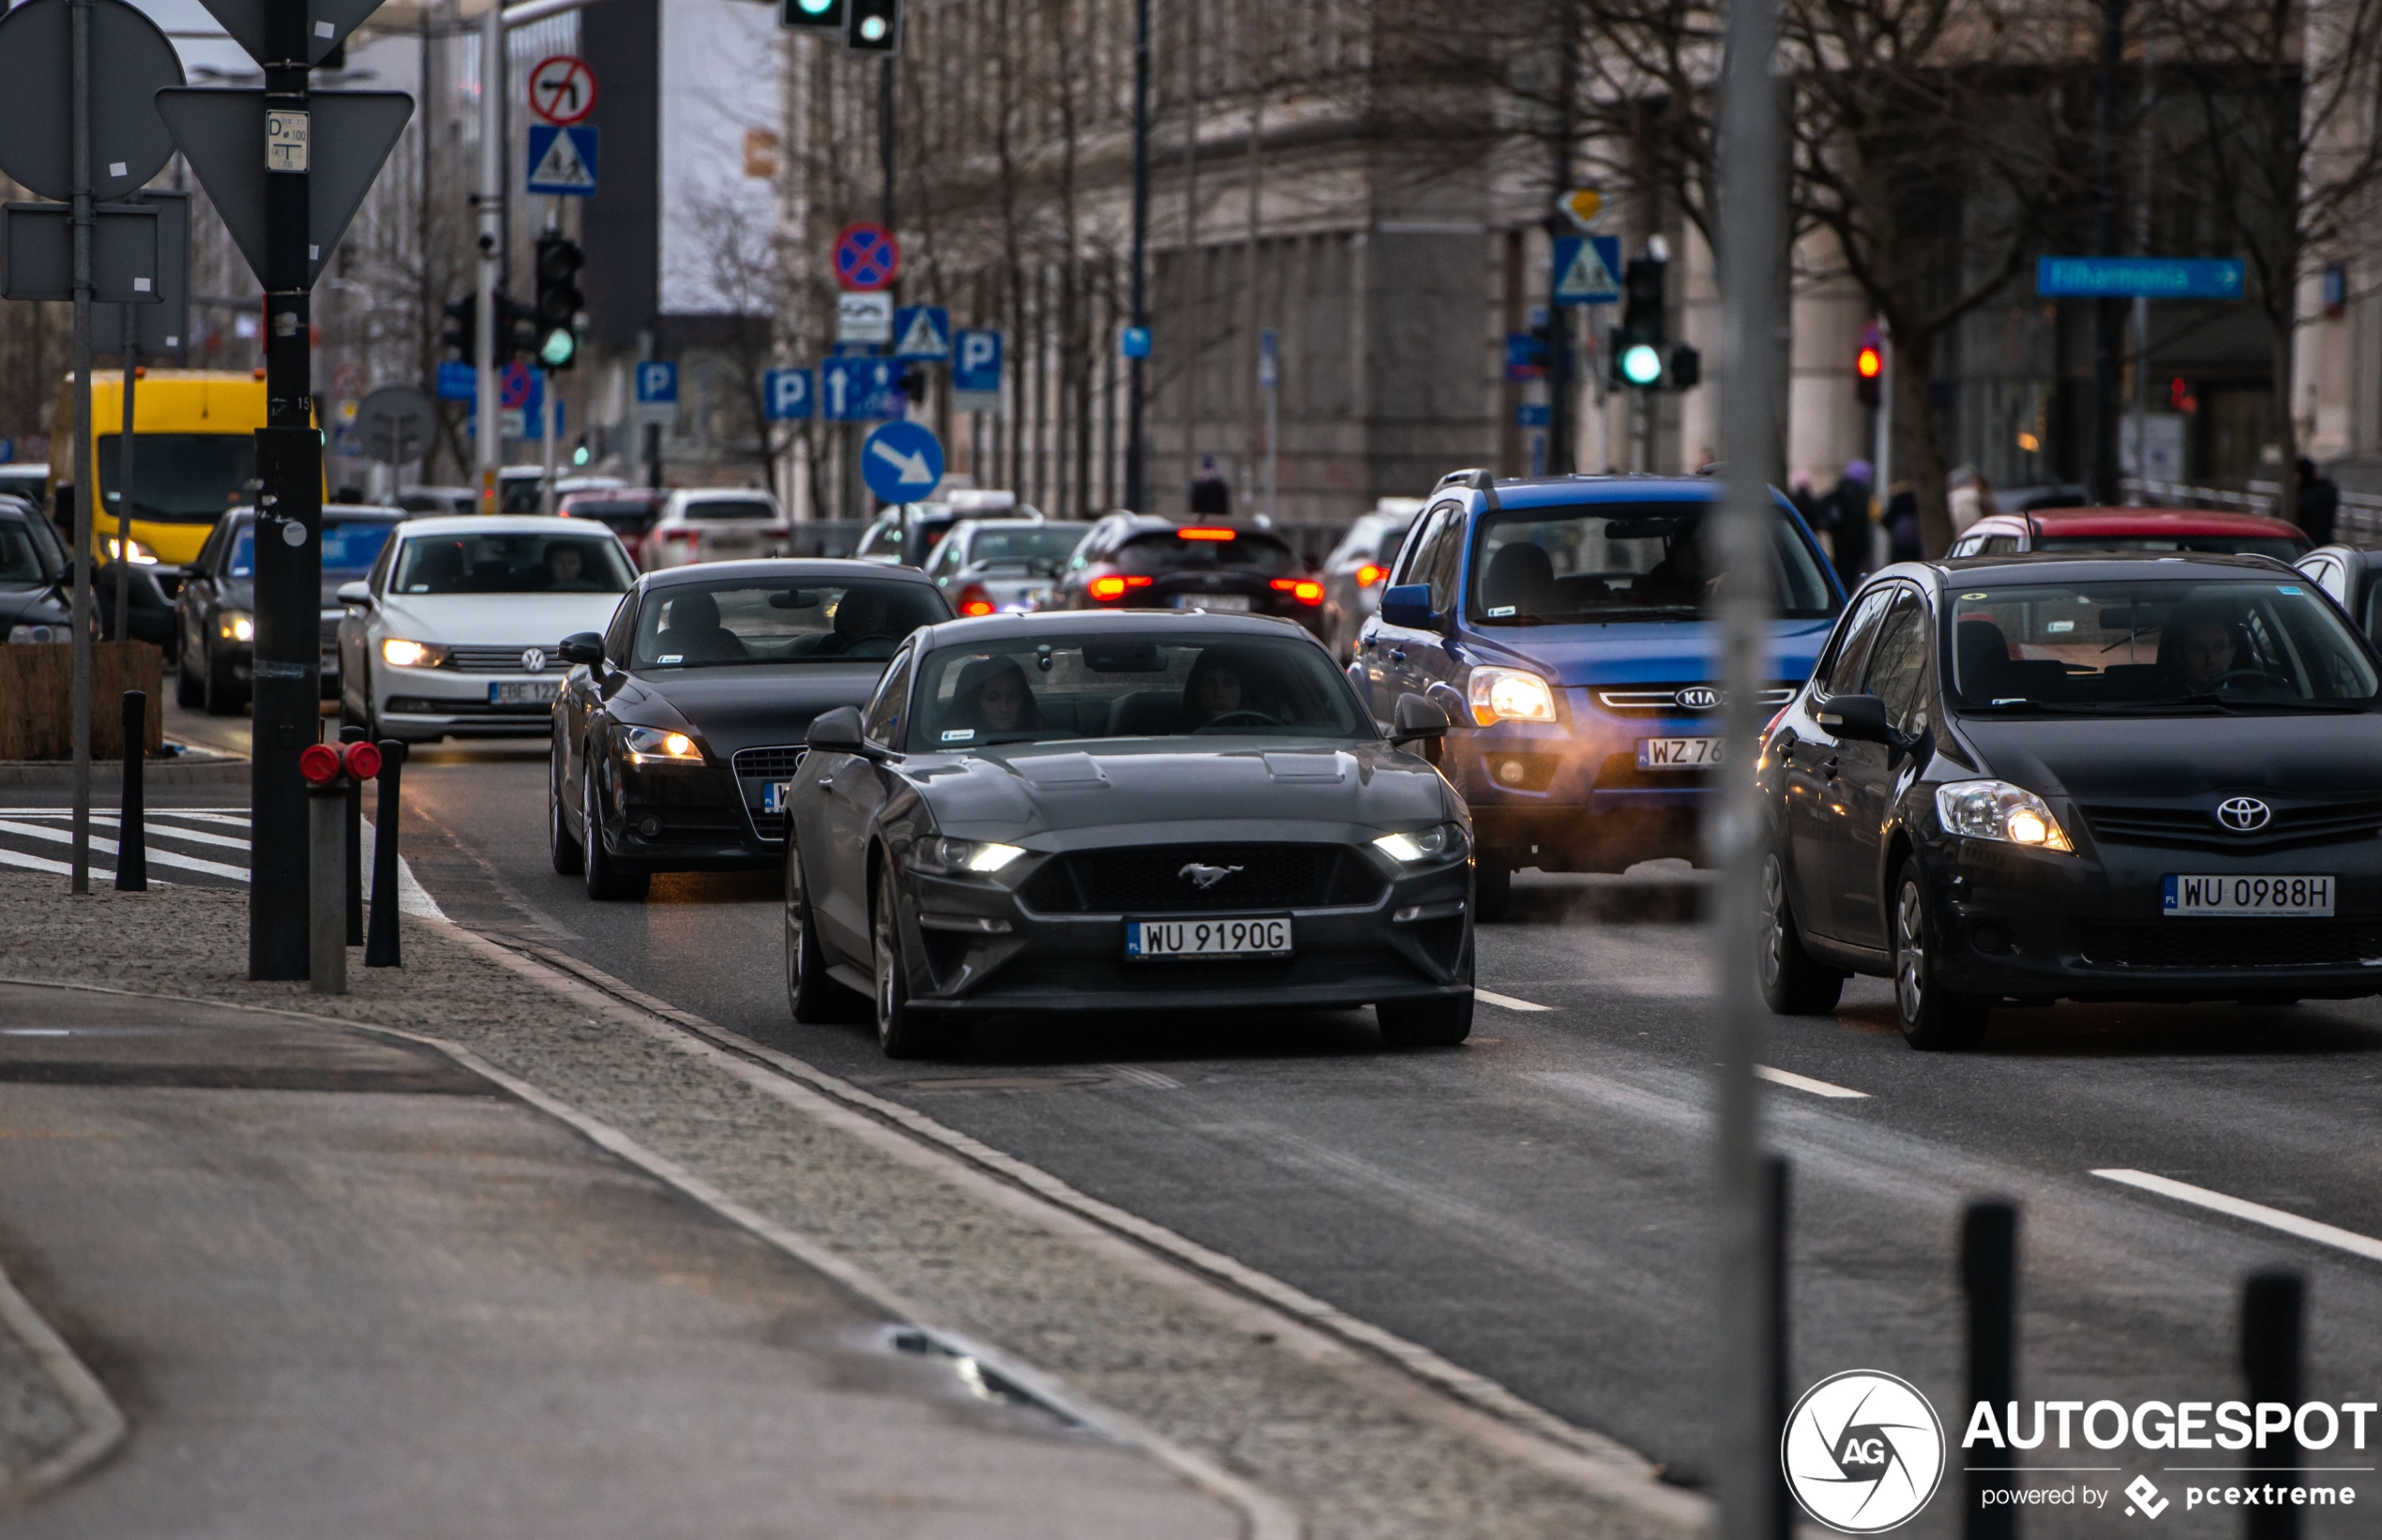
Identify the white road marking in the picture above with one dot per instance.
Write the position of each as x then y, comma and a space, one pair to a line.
36, 863
2257, 1213
1506, 1001
167, 831
1148, 1080
412, 896
1804, 1083
107, 847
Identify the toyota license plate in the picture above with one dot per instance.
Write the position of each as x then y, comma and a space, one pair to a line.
523, 692
1214, 604
1207, 938
2278, 898
1678, 753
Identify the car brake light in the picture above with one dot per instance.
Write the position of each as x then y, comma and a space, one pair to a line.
1369, 574
1202, 532
1113, 588
668, 534
974, 601
1306, 590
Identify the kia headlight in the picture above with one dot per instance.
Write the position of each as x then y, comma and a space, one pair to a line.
1994, 809
235, 626
411, 655
1439, 842
658, 746
945, 856
1508, 695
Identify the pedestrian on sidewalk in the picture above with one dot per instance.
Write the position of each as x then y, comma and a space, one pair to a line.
1210, 497
1848, 505
2319, 503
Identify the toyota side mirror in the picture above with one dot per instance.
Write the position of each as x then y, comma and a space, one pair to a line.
1408, 605
580, 647
836, 732
1859, 719
348, 593
1418, 718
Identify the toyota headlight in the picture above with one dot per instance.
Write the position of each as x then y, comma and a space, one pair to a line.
1508, 695
1439, 842
235, 626
658, 746
945, 856
411, 655
1994, 809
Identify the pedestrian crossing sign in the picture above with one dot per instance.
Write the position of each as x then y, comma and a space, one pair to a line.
561, 162
922, 332
1588, 269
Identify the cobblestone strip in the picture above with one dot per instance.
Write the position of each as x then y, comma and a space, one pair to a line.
1361, 1449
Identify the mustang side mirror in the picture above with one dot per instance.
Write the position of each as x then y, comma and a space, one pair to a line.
1417, 718
348, 593
582, 647
1408, 605
836, 732
1859, 719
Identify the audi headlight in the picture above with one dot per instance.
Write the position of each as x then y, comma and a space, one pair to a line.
656, 746
945, 856
1439, 842
1994, 809
411, 655
235, 626
1508, 695
142, 555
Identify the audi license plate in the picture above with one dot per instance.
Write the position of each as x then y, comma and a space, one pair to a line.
1214, 604
523, 692
774, 795
1677, 753
2278, 898
1207, 938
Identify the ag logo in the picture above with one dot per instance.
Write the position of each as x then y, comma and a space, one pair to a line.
1862, 1452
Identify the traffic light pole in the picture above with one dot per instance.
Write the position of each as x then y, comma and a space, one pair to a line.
1561, 459
1135, 474
491, 429
285, 710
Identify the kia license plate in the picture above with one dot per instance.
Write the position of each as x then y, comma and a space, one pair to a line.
1677, 753
1147, 939
523, 692
2275, 897
1214, 604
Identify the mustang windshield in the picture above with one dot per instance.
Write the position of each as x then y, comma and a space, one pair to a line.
1122, 685
697, 624
502, 563
2123, 647
1606, 562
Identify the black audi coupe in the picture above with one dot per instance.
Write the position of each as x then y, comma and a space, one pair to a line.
1124, 812
2086, 778
681, 723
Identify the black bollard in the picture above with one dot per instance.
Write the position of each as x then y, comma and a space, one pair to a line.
380, 946
1989, 1275
2273, 1306
1782, 1502
355, 847
132, 829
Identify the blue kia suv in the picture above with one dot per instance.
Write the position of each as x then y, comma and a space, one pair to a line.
1559, 622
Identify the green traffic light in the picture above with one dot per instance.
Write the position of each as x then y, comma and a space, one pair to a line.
816, 7
1641, 365
558, 347
872, 29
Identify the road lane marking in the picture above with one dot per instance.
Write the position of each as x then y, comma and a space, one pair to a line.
158, 830
2257, 1213
1506, 1001
1148, 1080
1804, 1083
107, 847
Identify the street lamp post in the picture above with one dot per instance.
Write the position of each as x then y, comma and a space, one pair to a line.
1136, 453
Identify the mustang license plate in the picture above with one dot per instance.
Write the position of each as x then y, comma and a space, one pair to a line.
2282, 897
523, 692
1207, 938
1214, 604
1675, 753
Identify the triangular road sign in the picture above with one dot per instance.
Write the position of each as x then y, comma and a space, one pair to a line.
562, 167
328, 23
222, 135
920, 332
1585, 270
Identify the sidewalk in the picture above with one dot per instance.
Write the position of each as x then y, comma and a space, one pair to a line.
1296, 1420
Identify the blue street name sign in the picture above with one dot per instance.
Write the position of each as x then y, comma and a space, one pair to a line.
922, 332
2137, 278
1525, 356
901, 462
786, 394
561, 162
860, 390
1134, 342
458, 381
1587, 270
656, 383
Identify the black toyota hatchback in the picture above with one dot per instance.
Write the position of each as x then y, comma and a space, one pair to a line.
2091, 777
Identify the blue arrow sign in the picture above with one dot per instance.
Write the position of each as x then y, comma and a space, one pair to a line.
922, 332
656, 383
2133, 277
901, 462
785, 395
975, 363
561, 162
1588, 269
860, 390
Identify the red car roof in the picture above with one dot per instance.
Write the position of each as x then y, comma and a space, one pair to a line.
2101, 523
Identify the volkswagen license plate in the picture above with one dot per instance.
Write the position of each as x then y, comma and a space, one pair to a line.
1677, 753
523, 692
1207, 938
1214, 604
2279, 898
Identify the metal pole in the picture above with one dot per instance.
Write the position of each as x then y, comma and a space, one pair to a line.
131, 357
327, 925
379, 945
1744, 1456
79, 14
1137, 485
1989, 1277
2273, 1308
546, 497
353, 883
2107, 314
1776, 1320
490, 431
131, 830
885, 137
1561, 451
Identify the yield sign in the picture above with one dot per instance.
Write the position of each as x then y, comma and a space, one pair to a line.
562, 90
1588, 269
867, 257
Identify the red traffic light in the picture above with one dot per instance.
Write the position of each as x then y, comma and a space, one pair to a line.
1869, 363
363, 761
319, 762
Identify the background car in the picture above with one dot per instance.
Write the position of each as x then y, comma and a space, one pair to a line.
1115, 813
459, 627
214, 646
2354, 579
1138, 561
908, 535
1002, 566
714, 524
1353, 573
629, 512
680, 724
433, 502
37, 575
2133, 529
1560, 622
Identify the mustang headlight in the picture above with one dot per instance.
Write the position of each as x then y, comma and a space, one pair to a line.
1994, 809
235, 626
1439, 842
411, 655
653, 746
1501, 694
945, 856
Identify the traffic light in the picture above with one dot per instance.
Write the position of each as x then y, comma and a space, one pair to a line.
1687, 368
460, 334
823, 15
1638, 341
516, 331
1869, 368
872, 26
558, 301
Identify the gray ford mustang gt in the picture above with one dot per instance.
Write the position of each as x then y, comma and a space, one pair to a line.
1123, 811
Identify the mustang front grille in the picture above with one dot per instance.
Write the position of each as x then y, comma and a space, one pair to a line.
1167, 879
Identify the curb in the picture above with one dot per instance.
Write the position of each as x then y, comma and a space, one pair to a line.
197, 769
102, 1425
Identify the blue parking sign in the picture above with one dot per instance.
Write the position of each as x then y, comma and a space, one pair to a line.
786, 394
656, 383
976, 362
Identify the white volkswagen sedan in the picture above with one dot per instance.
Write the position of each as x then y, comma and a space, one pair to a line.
458, 628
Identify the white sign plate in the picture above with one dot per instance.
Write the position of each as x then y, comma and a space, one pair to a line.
284, 141
864, 317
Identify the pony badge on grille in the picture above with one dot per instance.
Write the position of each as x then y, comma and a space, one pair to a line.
1205, 877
